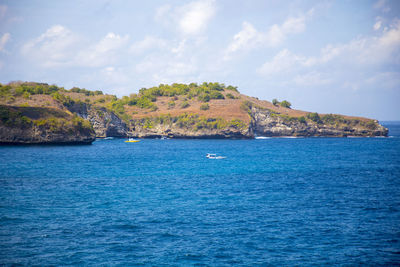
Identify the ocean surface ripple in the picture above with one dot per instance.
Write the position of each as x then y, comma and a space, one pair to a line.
303, 201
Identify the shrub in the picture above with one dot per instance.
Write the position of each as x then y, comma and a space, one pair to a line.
371, 125
185, 104
171, 104
314, 117
275, 101
246, 106
204, 97
204, 107
285, 104
238, 124
302, 119
216, 95
230, 96
26, 95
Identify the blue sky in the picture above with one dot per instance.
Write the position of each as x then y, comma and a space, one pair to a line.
325, 56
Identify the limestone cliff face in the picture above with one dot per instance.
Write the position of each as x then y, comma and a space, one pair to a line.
36, 125
264, 122
105, 123
174, 130
42, 135
267, 123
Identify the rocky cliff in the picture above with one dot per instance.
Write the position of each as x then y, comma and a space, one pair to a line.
33, 125
207, 110
265, 122
189, 126
105, 123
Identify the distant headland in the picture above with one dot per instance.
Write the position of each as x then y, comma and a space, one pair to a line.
39, 113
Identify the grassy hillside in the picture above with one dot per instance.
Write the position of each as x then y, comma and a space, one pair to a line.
53, 119
197, 103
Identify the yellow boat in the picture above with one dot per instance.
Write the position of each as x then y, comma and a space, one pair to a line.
131, 140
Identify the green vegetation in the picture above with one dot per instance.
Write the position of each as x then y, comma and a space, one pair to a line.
185, 104
314, 117
26, 89
246, 106
205, 107
203, 92
230, 96
285, 104
60, 125
302, 119
51, 119
191, 121
171, 104
85, 92
370, 125
13, 118
63, 99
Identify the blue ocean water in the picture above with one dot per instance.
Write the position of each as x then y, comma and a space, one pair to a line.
279, 201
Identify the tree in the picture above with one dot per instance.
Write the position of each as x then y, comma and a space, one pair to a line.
285, 104
302, 119
314, 117
184, 104
230, 96
275, 101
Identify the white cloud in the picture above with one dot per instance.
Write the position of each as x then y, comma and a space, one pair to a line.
104, 52
361, 52
195, 16
312, 78
249, 37
3, 41
59, 46
180, 48
189, 19
167, 68
282, 62
112, 75
359, 56
52, 48
148, 43
388, 80
378, 24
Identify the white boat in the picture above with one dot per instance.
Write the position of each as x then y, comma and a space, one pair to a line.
262, 137
214, 156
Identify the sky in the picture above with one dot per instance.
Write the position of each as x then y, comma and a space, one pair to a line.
323, 56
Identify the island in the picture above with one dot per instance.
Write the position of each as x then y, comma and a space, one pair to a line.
39, 113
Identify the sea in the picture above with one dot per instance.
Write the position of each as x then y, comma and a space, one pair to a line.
269, 202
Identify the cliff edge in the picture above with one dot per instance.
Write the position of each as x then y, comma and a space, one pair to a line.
36, 125
207, 110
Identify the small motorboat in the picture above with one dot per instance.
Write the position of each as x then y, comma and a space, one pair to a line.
214, 156
131, 140
261, 137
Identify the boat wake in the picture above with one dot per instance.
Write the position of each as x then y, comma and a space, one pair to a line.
214, 156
